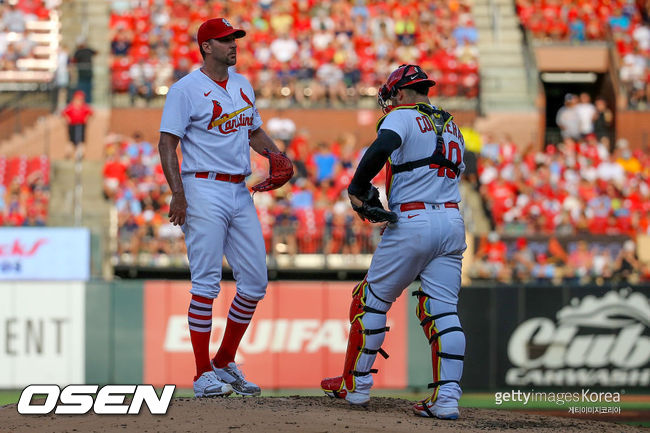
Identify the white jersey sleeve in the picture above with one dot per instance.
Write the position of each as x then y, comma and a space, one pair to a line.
396, 122
257, 119
176, 114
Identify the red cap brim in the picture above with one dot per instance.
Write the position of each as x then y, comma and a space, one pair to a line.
207, 32
239, 33
431, 83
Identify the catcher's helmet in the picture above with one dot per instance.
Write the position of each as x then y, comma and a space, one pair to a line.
403, 76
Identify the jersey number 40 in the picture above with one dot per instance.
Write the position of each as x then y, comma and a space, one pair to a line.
452, 152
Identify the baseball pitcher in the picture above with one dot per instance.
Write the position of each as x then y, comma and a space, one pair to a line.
211, 111
424, 237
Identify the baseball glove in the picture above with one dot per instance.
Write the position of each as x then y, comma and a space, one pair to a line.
372, 209
280, 171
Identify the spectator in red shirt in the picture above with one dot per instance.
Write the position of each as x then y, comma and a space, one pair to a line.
77, 114
491, 258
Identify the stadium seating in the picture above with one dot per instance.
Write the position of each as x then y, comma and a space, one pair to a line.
364, 41
24, 190
30, 41
598, 20
567, 188
316, 210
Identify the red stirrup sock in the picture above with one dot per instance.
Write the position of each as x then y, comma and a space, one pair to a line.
199, 317
239, 316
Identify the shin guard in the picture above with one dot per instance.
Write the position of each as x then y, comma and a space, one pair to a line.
367, 331
441, 326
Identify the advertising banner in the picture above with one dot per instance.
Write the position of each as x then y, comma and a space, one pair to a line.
297, 337
597, 338
41, 333
30, 253
556, 336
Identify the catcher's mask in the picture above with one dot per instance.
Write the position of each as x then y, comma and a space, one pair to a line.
403, 76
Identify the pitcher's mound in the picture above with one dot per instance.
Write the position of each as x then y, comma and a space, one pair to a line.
298, 414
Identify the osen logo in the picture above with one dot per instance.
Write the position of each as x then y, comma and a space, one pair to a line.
79, 399
594, 342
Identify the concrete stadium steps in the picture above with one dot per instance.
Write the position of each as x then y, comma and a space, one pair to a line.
95, 209
49, 136
96, 133
485, 20
504, 79
90, 19
46, 136
476, 221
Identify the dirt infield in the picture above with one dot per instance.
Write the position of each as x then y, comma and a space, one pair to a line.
298, 414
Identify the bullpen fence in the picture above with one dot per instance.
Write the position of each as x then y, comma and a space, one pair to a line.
136, 332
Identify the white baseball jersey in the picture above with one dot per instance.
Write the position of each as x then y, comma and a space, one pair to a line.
213, 123
423, 184
214, 126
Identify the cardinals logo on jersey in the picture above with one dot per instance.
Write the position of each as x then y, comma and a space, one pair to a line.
216, 112
230, 122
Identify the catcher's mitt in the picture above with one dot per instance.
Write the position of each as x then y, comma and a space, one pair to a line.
280, 171
372, 209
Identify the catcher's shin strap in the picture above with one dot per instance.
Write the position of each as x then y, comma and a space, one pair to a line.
374, 331
439, 119
435, 335
364, 373
441, 382
381, 351
233, 178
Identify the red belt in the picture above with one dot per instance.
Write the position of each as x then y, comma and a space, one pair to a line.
234, 178
419, 205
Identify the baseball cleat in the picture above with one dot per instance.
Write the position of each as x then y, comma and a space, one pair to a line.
335, 388
209, 385
233, 376
426, 409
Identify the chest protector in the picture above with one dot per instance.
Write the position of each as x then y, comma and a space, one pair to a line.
439, 119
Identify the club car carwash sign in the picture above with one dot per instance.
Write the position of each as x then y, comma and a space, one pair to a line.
594, 341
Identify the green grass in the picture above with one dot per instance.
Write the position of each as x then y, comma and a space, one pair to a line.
9, 396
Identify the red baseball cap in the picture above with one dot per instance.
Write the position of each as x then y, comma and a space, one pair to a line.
216, 28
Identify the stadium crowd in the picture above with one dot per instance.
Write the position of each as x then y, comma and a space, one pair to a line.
24, 191
307, 51
15, 40
575, 189
540, 202
628, 23
583, 187
576, 186
563, 213
578, 260
309, 215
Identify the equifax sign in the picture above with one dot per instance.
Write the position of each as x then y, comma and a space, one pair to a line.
268, 335
80, 399
298, 335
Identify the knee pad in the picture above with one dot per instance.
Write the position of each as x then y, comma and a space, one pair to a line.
441, 326
367, 332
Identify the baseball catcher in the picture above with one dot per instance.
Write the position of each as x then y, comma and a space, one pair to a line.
422, 149
280, 171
